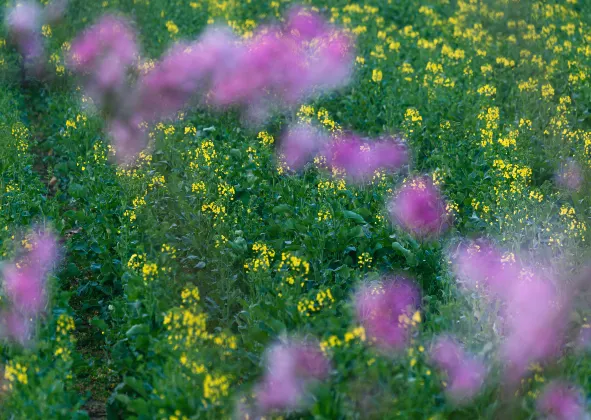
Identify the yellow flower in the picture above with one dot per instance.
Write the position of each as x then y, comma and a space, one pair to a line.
376, 76
172, 28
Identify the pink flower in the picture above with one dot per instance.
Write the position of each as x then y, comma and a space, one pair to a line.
386, 311
300, 144
280, 67
128, 138
536, 318
304, 24
465, 373
24, 282
291, 368
561, 401
16, 326
25, 287
24, 22
185, 71
330, 64
360, 160
480, 264
104, 54
419, 208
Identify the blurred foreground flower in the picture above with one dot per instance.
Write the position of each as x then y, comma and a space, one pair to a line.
300, 144
25, 285
24, 22
419, 208
481, 266
291, 368
103, 55
388, 311
532, 313
536, 321
465, 373
561, 401
276, 69
282, 66
360, 160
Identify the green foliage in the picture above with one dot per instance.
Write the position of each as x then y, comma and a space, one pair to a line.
179, 271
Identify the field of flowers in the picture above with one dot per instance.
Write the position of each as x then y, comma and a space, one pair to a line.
198, 222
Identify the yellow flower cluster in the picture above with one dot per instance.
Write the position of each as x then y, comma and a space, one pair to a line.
331, 188
216, 387
293, 267
20, 133
199, 187
333, 341
263, 260
308, 306
364, 260
265, 138
15, 372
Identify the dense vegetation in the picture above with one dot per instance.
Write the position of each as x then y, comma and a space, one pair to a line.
178, 271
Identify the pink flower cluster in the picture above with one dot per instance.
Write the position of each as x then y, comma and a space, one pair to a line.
561, 401
277, 68
24, 283
283, 66
386, 311
291, 368
346, 153
104, 55
419, 208
533, 312
481, 266
360, 160
465, 373
24, 22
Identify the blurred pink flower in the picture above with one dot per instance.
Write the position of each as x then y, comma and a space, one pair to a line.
419, 208
24, 22
25, 281
104, 54
465, 373
183, 72
25, 287
360, 160
291, 368
536, 319
561, 401
24, 18
16, 326
300, 144
128, 137
304, 24
280, 67
481, 265
386, 311
330, 64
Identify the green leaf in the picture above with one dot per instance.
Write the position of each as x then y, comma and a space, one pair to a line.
356, 217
